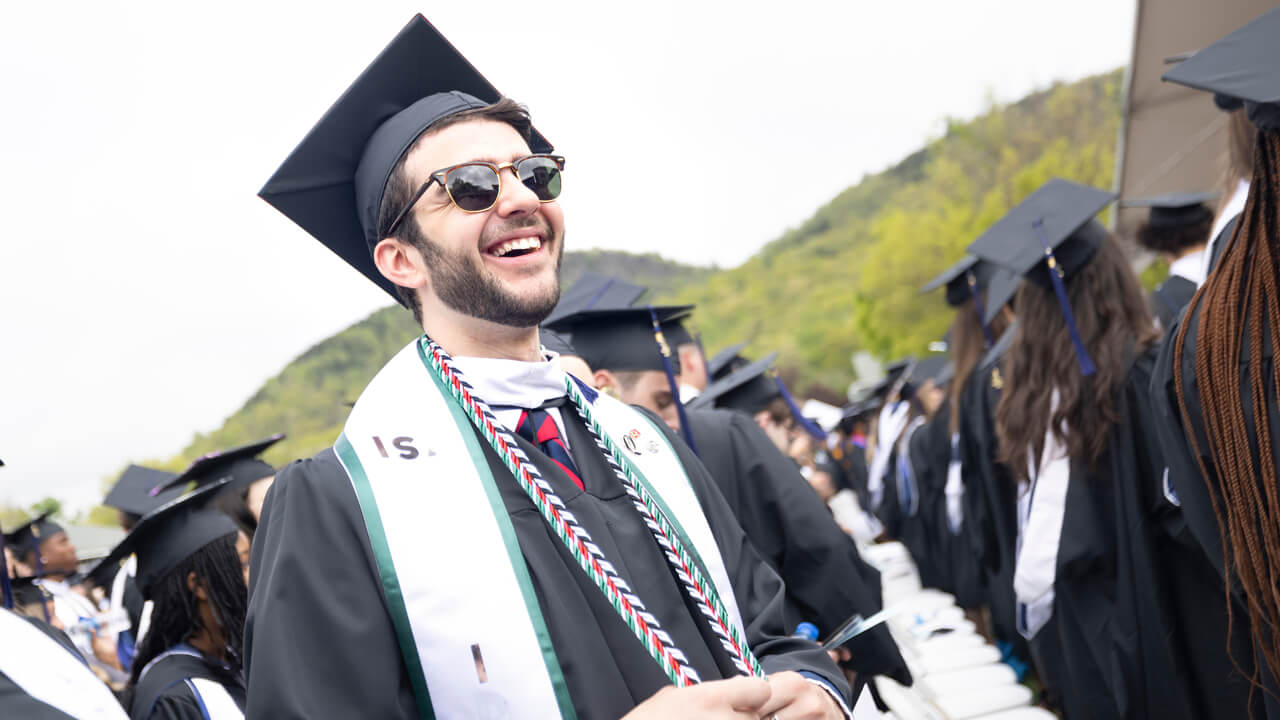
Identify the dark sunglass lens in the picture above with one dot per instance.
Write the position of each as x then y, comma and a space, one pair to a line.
542, 176
473, 187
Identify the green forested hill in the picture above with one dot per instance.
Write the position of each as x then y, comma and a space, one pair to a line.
845, 280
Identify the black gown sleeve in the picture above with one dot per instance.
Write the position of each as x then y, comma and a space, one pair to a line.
760, 592
176, 704
318, 642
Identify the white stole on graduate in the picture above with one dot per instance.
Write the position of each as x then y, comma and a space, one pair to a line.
1041, 513
51, 674
454, 579
893, 418
954, 490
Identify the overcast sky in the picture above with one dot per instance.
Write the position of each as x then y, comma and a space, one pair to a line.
146, 292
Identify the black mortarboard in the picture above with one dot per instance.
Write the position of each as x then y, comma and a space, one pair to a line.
749, 388
996, 351
594, 291
239, 466
556, 342
166, 536
27, 537
618, 338
946, 374
1243, 65
963, 279
726, 361
1051, 234
1003, 286
132, 491
893, 372
1175, 209
332, 183
927, 368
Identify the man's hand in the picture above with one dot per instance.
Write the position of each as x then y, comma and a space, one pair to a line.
795, 698
740, 698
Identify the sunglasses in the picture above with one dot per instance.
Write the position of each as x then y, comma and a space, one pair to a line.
473, 187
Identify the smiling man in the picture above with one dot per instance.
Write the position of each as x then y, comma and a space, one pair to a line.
488, 537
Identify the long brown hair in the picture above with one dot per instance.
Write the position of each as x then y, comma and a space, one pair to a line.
1240, 296
1114, 323
968, 344
1237, 160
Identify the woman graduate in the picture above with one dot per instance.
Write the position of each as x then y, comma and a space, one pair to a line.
188, 664
1074, 428
1216, 385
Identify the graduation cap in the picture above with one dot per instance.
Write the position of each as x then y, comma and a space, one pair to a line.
168, 535
965, 280
1049, 235
726, 361
995, 352
557, 343
1175, 209
927, 368
1004, 285
751, 388
239, 466
1244, 65
629, 338
132, 491
594, 291
28, 536
332, 184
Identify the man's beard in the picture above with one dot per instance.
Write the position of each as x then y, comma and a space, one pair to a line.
461, 283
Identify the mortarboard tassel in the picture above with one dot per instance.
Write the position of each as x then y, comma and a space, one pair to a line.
665, 352
977, 306
1087, 367
809, 426
599, 294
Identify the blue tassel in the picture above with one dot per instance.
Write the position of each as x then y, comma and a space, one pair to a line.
982, 314
665, 353
808, 425
599, 294
6, 587
1087, 367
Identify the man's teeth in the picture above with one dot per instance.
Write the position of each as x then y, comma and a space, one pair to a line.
529, 243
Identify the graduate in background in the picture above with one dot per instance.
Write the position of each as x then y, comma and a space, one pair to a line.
826, 579
1177, 230
43, 677
187, 666
1216, 389
1075, 428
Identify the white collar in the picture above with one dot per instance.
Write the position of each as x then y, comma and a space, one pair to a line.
1189, 266
514, 383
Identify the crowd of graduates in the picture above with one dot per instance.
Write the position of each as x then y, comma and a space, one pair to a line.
1087, 470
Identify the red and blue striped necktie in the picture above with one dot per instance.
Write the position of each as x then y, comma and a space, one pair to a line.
538, 427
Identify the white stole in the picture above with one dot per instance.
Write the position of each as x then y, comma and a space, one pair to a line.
453, 576
51, 674
1041, 513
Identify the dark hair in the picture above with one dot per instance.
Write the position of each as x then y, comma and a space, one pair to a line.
400, 187
176, 612
1237, 161
968, 344
1177, 239
1238, 299
1115, 324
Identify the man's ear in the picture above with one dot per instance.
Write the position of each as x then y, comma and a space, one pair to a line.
605, 382
400, 263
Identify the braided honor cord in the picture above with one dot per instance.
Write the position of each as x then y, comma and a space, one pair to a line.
682, 562
565, 526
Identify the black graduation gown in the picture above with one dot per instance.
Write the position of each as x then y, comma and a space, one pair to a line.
827, 580
319, 642
14, 700
1169, 297
1221, 242
1197, 582
162, 694
917, 527
1111, 620
990, 495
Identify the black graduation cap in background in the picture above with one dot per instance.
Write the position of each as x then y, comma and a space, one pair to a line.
966, 280
946, 374
1049, 235
1244, 65
1004, 285
748, 388
166, 536
132, 491
27, 537
1175, 209
557, 343
239, 466
996, 351
726, 361
594, 291
332, 183
928, 368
